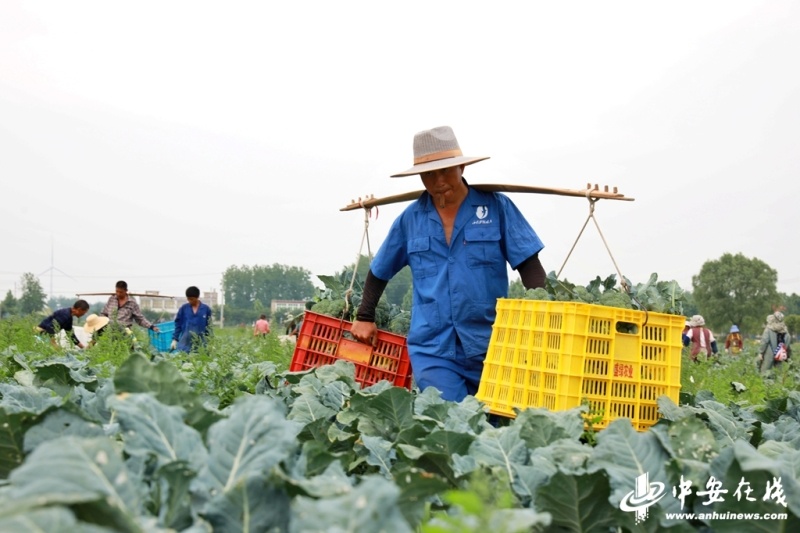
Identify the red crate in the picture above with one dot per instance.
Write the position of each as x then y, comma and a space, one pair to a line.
324, 339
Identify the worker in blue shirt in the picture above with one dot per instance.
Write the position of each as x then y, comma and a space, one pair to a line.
457, 241
62, 318
192, 323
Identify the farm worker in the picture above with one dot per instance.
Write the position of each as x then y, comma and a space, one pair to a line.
775, 346
684, 338
94, 326
192, 323
700, 337
291, 324
261, 329
457, 241
123, 310
63, 319
734, 342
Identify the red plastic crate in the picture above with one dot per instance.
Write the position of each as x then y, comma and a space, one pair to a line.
322, 341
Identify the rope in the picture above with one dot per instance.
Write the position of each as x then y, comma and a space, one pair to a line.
622, 281
364, 238
591, 217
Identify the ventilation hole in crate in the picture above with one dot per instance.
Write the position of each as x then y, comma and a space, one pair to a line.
625, 410
595, 367
594, 387
549, 401
623, 390
599, 326
598, 346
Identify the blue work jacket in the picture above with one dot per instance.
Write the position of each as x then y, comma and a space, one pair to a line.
456, 287
187, 322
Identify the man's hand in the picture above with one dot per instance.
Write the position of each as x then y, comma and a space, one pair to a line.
366, 332
173, 345
155, 328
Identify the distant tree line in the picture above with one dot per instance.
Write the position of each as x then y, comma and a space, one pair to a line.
733, 289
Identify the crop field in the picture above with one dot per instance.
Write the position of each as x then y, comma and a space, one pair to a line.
123, 438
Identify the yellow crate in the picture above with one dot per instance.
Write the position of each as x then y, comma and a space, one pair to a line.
557, 354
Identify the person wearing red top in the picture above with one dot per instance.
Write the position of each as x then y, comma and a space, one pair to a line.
700, 337
261, 328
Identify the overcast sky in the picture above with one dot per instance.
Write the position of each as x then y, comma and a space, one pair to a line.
162, 142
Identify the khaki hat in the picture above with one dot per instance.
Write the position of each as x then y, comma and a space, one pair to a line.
435, 149
94, 322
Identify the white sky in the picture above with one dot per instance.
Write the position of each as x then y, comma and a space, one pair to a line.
162, 142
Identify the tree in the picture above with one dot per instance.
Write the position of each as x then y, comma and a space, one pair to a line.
793, 323
8, 306
792, 303
246, 285
33, 296
59, 302
735, 290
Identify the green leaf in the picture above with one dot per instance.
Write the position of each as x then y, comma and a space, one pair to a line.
541, 427
501, 447
742, 464
727, 429
570, 456
372, 506
434, 453
253, 439
330, 483
578, 503
162, 379
307, 409
55, 519
381, 453
785, 429
690, 439
384, 414
19, 399
624, 454
69, 470
784, 453
154, 429
13, 428
174, 505
417, 487
250, 506
529, 479
61, 422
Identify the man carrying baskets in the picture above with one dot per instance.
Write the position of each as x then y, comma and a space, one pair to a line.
457, 241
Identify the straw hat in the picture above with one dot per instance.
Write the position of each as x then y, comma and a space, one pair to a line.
94, 322
435, 149
698, 320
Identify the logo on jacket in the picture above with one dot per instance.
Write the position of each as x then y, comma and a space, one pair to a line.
481, 212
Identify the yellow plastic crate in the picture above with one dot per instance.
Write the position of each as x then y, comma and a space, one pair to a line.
557, 354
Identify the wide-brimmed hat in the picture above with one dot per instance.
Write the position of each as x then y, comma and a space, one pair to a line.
435, 149
698, 320
94, 322
734, 329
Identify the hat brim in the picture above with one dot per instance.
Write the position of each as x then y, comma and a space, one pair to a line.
438, 164
99, 323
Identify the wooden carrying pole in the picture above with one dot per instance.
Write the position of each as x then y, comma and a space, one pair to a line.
590, 192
